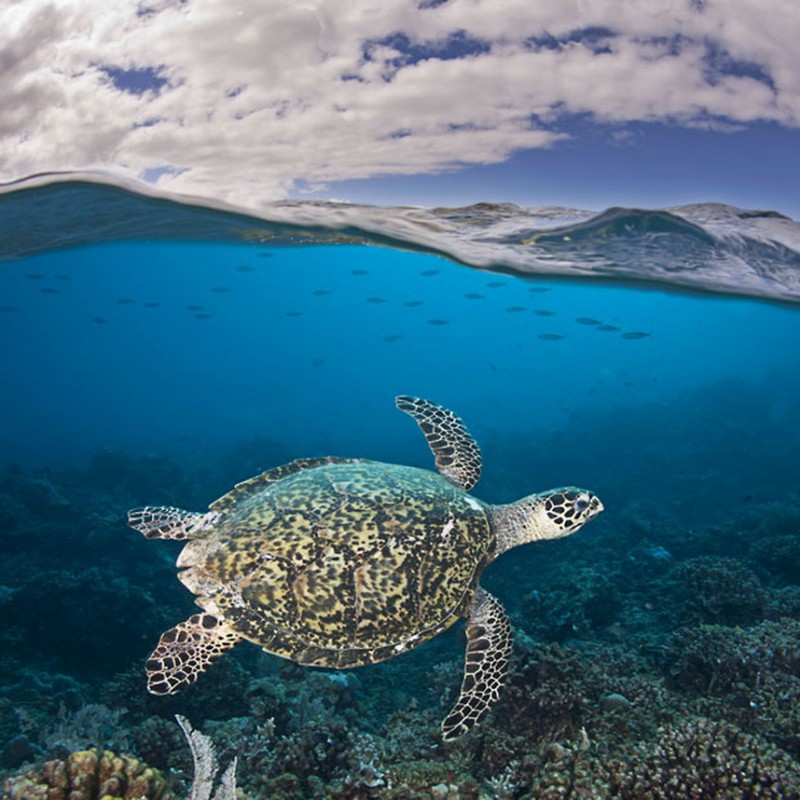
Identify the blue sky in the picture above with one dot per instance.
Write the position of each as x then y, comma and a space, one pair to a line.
585, 103
660, 165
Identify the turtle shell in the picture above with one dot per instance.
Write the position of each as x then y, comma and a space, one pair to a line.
337, 562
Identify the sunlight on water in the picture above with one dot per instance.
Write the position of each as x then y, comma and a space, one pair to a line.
706, 247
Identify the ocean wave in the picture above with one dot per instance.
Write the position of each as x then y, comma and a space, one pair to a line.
706, 247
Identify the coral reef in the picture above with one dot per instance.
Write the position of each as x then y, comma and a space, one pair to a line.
780, 554
38, 492
586, 601
88, 775
91, 724
699, 759
722, 590
651, 660
132, 479
206, 767
714, 660
49, 609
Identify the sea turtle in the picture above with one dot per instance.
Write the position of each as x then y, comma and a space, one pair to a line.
339, 562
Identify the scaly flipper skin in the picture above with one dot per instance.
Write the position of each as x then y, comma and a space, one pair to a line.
166, 522
457, 454
485, 665
184, 652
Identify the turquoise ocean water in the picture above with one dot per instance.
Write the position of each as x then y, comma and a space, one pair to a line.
158, 353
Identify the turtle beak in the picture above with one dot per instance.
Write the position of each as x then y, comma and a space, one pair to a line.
595, 506
588, 506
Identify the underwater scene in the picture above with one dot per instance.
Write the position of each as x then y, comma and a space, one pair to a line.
636, 629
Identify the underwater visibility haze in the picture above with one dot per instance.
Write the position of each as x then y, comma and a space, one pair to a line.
157, 350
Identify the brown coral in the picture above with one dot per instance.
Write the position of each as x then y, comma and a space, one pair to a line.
716, 660
88, 775
722, 590
704, 759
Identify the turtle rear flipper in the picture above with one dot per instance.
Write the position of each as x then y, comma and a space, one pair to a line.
457, 455
485, 663
185, 651
166, 522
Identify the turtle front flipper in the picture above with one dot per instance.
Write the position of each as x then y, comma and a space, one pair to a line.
166, 522
485, 664
457, 454
185, 651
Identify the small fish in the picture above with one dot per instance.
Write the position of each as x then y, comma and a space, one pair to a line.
428, 272
317, 362
152, 305
543, 312
8, 309
635, 335
515, 309
320, 292
587, 321
438, 322
551, 337
607, 328
264, 254
202, 316
99, 320
294, 313
413, 303
392, 337
220, 289
194, 308
63, 277
496, 284
245, 268
34, 276
743, 701
124, 301
539, 289
359, 272
48, 290
473, 296
375, 300
492, 367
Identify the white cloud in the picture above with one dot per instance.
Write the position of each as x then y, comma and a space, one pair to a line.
262, 93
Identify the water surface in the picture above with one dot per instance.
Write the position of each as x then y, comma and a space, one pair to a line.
157, 352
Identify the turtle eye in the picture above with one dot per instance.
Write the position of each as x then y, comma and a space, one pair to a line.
581, 504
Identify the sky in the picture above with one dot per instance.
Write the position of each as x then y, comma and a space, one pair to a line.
582, 103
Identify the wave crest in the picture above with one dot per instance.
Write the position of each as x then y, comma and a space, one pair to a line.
708, 247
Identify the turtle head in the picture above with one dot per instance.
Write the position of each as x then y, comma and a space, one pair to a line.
546, 515
564, 511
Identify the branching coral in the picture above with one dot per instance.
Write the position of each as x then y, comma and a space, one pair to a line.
206, 766
544, 699
714, 659
704, 759
722, 590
